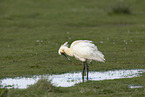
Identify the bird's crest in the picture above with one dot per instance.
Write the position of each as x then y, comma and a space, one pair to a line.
65, 44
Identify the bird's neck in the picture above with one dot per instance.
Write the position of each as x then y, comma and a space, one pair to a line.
69, 51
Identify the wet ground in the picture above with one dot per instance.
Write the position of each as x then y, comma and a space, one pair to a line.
70, 79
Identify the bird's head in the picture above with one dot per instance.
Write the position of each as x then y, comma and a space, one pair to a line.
62, 50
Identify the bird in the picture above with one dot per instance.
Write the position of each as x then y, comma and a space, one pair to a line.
83, 50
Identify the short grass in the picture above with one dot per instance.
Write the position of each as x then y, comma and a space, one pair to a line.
31, 32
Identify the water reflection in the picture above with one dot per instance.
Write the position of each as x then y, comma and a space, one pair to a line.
70, 79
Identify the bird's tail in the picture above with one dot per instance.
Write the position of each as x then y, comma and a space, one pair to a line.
98, 56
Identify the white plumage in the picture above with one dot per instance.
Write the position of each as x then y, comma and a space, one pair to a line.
82, 50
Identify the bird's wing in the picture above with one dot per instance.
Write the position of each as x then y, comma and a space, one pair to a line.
82, 43
83, 48
86, 49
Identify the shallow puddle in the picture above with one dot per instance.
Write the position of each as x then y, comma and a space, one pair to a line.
134, 86
69, 79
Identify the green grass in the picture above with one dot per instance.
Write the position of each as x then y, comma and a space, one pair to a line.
32, 31
109, 88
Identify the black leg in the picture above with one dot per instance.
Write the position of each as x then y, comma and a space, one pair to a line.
87, 70
83, 73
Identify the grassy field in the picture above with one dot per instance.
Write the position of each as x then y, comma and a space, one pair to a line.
31, 32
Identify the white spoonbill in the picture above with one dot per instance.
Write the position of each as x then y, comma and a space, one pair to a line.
82, 50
